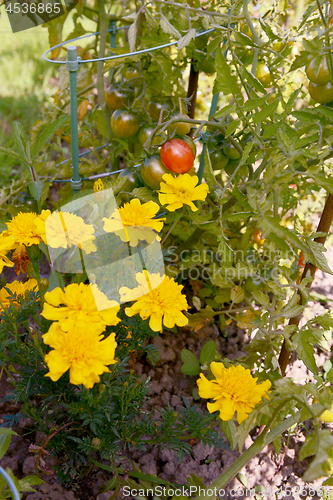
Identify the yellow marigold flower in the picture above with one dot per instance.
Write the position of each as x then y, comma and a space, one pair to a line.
7, 243
16, 287
234, 390
86, 307
133, 222
64, 229
22, 228
180, 191
98, 185
82, 352
158, 297
40, 224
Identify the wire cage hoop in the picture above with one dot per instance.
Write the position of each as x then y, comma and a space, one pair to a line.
11, 484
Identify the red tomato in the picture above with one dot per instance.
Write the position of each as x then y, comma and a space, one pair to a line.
177, 156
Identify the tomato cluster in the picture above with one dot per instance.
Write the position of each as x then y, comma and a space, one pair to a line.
224, 156
170, 150
122, 98
176, 155
321, 85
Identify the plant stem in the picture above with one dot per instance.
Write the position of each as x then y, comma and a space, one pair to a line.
177, 219
192, 91
103, 28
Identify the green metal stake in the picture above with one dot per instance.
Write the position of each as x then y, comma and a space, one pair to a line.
73, 64
113, 27
205, 137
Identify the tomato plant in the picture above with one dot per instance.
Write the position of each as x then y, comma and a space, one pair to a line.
264, 166
177, 156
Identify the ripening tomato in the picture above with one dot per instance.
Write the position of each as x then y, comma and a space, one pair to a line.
177, 156
321, 76
152, 171
190, 142
181, 128
257, 236
321, 93
124, 124
116, 97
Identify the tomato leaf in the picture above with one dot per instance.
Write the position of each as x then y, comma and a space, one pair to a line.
186, 39
225, 82
168, 28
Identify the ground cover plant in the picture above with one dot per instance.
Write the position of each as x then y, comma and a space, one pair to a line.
211, 220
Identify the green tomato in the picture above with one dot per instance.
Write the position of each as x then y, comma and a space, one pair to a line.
131, 72
321, 93
231, 167
156, 107
263, 75
322, 77
252, 283
219, 160
231, 152
145, 132
131, 182
152, 171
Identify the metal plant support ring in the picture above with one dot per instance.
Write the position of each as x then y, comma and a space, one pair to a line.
73, 63
10, 482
